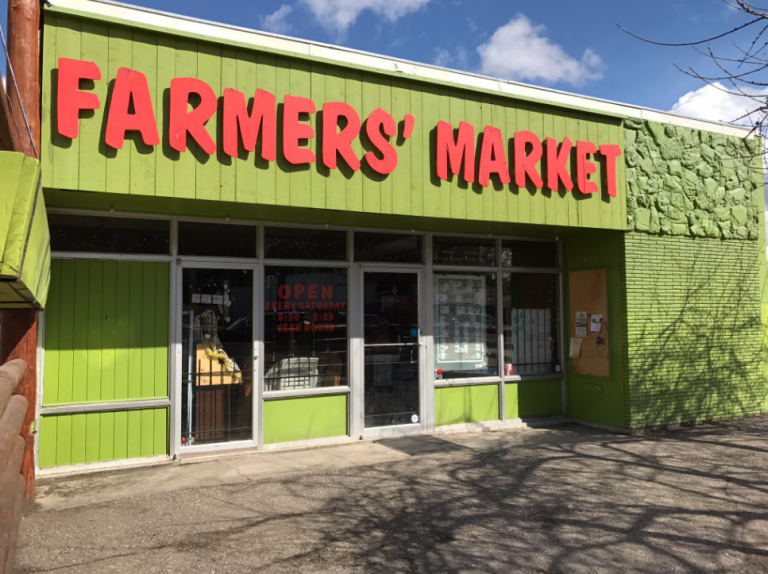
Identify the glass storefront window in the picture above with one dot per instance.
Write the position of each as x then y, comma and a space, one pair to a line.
529, 253
217, 356
388, 247
305, 328
479, 252
217, 239
305, 243
530, 323
391, 349
94, 234
465, 325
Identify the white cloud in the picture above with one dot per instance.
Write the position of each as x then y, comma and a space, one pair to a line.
275, 22
336, 16
471, 24
519, 51
445, 59
716, 102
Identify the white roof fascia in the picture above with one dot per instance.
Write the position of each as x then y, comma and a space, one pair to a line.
257, 39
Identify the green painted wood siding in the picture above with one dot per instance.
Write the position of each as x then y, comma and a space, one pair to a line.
106, 332
306, 418
533, 399
469, 404
100, 437
86, 164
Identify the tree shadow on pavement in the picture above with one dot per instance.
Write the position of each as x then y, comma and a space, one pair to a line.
694, 500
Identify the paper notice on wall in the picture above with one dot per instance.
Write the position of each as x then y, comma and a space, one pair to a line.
596, 324
575, 349
581, 323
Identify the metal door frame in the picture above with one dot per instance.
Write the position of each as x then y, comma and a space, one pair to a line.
357, 410
177, 368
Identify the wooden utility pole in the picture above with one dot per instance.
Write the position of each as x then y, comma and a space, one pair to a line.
24, 57
18, 328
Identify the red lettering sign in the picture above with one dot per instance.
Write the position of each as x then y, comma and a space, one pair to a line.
340, 141
451, 152
380, 121
183, 122
557, 169
340, 127
131, 86
493, 159
238, 120
69, 99
525, 163
294, 131
610, 152
584, 167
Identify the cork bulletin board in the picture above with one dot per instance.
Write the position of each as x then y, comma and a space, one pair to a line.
589, 293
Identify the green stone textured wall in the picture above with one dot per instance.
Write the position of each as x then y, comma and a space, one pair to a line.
682, 181
693, 345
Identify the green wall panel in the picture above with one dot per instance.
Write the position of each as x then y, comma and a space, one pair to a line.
101, 437
306, 418
469, 404
106, 332
599, 400
412, 189
533, 399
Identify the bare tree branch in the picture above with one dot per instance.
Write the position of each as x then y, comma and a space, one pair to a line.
706, 41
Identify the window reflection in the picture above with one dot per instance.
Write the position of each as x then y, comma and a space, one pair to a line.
96, 234
465, 329
217, 239
530, 323
474, 251
305, 328
217, 350
516, 253
388, 247
305, 243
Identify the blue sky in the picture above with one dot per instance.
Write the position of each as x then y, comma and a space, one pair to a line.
574, 46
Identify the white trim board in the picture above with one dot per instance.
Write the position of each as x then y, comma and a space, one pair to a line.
228, 33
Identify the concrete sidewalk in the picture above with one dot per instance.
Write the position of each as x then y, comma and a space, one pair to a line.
57, 493
558, 500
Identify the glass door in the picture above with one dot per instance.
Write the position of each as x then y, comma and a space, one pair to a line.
392, 352
217, 355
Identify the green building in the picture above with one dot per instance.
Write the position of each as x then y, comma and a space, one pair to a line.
258, 242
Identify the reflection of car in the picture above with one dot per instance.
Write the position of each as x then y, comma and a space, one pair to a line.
490, 320
374, 320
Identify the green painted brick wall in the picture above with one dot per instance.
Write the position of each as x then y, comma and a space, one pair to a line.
693, 345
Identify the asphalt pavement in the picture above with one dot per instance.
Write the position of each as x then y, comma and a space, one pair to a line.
568, 499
